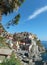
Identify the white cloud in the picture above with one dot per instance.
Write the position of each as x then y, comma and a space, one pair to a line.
37, 12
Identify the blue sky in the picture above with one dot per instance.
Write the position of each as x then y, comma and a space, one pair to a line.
33, 18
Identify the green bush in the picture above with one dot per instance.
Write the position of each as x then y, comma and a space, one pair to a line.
11, 61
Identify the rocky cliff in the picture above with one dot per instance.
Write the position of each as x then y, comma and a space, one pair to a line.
24, 37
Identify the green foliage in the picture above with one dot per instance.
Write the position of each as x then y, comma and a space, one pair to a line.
1, 38
17, 19
3, 43
14, 21
39, 43
11, 61
8, 6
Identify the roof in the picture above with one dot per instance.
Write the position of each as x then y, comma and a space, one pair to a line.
5, 51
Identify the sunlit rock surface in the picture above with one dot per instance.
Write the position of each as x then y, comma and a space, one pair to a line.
34, 51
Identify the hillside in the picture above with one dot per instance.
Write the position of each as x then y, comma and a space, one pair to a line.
3, 37
24, 37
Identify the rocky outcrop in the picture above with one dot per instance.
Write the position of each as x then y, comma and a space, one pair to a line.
40, 46
25, 37
35, 47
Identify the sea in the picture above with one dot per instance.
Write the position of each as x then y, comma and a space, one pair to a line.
44, 55
44, 43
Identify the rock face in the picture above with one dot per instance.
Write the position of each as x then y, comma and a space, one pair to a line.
25, 37
35, 47
34, 52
